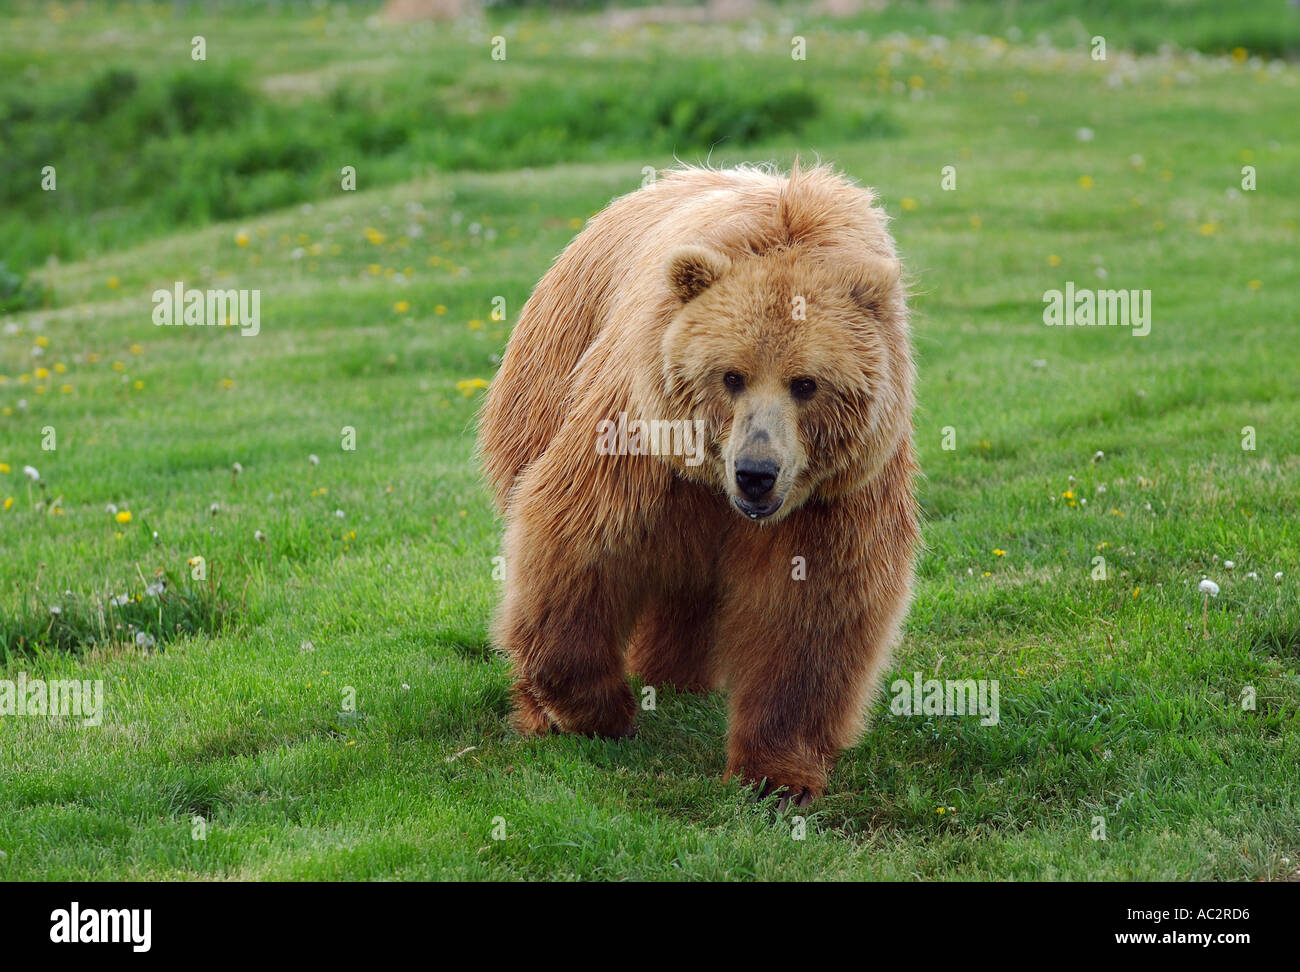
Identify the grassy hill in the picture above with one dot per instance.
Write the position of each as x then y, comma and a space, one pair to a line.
326, 700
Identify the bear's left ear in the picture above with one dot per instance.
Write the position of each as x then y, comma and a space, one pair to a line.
873, 282
694, 269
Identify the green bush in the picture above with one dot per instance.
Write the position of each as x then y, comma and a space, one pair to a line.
16, 293
137, 153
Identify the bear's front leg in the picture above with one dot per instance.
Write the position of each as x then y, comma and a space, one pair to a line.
808, 621
569, 602
562, 630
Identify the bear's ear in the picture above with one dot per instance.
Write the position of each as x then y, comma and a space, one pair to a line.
694, 269
873, 282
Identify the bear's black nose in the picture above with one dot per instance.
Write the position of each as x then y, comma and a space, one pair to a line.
756, 478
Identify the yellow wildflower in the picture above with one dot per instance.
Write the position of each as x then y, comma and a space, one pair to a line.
468, 386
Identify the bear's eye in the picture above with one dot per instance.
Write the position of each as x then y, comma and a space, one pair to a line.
733, 381
803, 388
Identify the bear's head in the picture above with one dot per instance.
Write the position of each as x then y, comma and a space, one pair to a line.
798, 362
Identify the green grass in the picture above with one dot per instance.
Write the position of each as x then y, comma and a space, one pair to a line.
1113, 703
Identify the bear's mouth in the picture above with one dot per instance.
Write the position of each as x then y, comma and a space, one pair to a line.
757, 511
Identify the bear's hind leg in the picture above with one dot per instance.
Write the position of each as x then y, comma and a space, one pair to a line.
673, 642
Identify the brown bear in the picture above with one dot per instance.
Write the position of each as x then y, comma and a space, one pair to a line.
701, 440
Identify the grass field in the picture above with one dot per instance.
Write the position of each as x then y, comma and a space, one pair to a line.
326, 703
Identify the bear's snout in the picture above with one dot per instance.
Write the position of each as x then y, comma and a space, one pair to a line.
756, 478
762, 455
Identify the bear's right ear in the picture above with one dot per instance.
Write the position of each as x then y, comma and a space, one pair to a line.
694, 269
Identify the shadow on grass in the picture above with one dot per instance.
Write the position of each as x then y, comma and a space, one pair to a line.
165, 609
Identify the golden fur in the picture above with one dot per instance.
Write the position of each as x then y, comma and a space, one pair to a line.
770, 309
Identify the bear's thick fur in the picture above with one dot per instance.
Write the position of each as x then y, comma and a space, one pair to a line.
776, 558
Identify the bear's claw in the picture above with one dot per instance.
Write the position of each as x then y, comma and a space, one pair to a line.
800, 799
